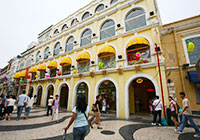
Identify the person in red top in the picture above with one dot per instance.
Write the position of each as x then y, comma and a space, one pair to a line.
174, 112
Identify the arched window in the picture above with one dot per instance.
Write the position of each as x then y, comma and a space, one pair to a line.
107, 29
74, 22
99, 8
56, 50
64, 27
22, 64
56, 31
138, 51
85, 15
86, 37
113, 1
28, 61
46, 53
135, 19
37, 58
69, 44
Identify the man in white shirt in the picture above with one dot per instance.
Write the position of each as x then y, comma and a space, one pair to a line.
157, 105
21, 100
50, 101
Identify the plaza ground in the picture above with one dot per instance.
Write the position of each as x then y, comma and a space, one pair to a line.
41, 127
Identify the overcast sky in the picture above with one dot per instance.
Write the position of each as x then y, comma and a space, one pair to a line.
22, 20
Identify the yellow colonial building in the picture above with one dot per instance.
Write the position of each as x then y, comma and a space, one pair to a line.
181, 46
107, 48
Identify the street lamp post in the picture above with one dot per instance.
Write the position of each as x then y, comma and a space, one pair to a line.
160, 76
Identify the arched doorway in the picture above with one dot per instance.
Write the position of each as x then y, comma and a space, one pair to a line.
83, 89
140, 91
64, 96
31, 92
49, 93
39, 95
107, 90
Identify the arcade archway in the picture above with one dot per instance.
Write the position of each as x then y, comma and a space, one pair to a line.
107, 90
83, 89
39, 95
50, 91
141, 90
64, 94
31, 92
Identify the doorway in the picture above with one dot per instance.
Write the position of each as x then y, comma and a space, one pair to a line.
107, 90
49, 93
64, 96
141, 90
31, 92
39, 95
83, 89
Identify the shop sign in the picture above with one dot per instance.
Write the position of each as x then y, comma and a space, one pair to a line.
198, 68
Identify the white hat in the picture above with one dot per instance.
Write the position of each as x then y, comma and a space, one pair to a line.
51, 96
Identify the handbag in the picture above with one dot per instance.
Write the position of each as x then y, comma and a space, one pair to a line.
89, 124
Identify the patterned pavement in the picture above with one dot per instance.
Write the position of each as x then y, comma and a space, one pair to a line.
41, 127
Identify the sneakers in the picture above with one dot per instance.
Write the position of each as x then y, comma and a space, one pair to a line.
178, 132
159, 124
153, 124
197, 136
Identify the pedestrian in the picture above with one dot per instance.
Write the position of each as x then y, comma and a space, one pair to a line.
150, 105
157, 107
97, 112
174, 112
49, 107
55, 107
104, 107
28, 107
10, 102
34, 101
187, 116
22, 101
1, 109
80, 115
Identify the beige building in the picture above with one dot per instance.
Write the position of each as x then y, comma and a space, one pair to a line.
178, 40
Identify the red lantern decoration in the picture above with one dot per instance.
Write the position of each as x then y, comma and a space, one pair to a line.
17, 82
29, 77
59, 73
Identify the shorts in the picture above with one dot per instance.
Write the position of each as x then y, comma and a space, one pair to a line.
27, 110
10, 109
173, 114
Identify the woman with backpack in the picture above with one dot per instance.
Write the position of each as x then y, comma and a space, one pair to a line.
174, 112
80, 116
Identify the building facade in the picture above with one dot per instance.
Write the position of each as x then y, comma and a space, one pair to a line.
107, 48
182, 58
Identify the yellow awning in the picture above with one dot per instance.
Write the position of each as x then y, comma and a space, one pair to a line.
66, 61
16, 76
22, 74
52, 65
138, 41
106, 50
33, 70
83, 56
42, 68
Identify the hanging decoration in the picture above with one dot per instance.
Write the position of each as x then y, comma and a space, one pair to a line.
191, 46
21, 81
101, 65
139, 81
138, 56
36, 76
2, 84
47, 75
59, 73
28, 77
74, 71
17, 82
